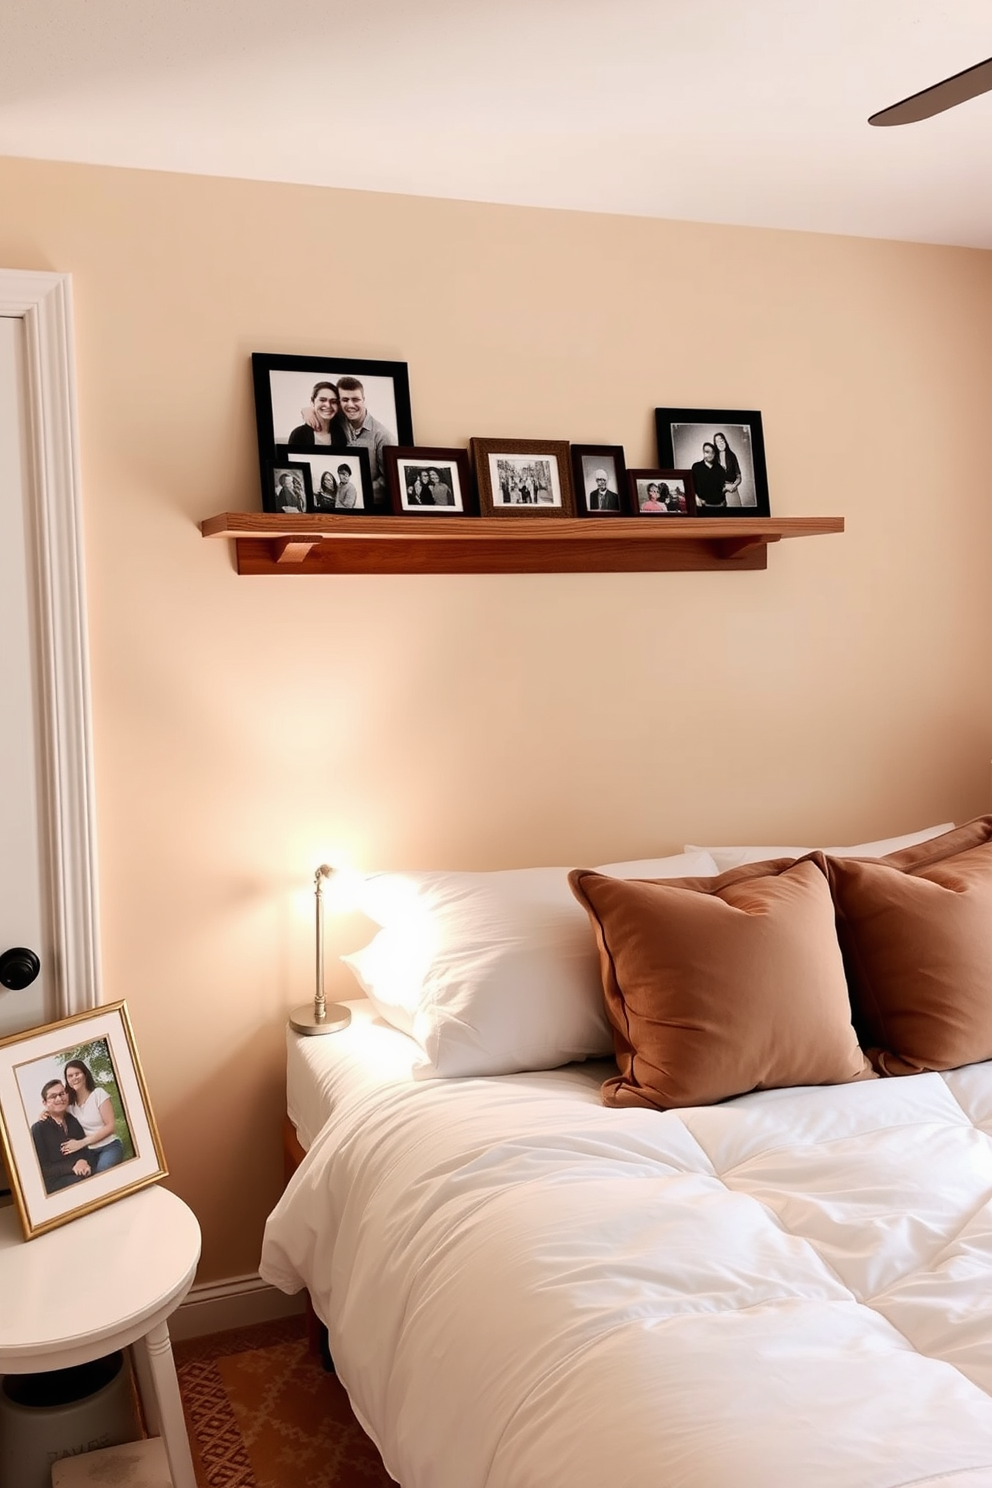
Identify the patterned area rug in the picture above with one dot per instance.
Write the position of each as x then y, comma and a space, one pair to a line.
263, 1413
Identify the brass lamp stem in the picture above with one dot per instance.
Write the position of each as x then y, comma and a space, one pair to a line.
320, 1018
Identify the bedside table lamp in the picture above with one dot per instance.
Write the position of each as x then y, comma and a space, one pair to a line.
318, 1017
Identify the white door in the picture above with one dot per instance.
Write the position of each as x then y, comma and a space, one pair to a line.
23, 836
47, 846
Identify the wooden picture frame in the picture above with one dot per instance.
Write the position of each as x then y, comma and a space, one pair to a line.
523, 477
286, 393
599, 475
685, 434
428, 481
661, 493
326, 465
90, 1057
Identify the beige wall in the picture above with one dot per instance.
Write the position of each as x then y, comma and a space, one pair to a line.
244, 728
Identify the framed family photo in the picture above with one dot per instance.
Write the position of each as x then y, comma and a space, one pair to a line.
317, 404
521, 477
662, 493
724, 449
339, 481
599, 477
434, 482
76, 1126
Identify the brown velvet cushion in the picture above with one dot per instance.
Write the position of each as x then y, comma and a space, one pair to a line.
916, 931
717, 986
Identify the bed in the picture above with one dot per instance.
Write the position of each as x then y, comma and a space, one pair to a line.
524, 1287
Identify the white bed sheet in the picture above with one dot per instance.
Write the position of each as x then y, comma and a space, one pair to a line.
524, 1289
324, 1072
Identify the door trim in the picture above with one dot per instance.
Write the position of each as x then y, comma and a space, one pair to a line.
44, 302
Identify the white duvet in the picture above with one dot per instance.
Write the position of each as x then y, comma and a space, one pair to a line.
524, 1289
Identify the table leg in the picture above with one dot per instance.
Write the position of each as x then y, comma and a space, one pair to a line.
156, 1371
146, 1389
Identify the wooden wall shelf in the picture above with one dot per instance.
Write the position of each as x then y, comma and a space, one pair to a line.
273, 544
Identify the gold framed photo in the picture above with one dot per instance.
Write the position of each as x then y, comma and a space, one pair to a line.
76, 1126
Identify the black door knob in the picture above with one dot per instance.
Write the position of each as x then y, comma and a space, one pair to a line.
18, 968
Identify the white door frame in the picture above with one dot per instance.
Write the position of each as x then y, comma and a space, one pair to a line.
44, 302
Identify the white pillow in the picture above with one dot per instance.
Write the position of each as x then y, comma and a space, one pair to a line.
736, 857
492, 973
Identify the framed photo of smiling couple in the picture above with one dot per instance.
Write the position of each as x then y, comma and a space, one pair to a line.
76, 1126
723, 449
308, 408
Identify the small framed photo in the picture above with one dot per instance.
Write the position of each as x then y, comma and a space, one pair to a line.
521, 477
76, 1126
313, 403
662, 493
435, 482
599, 476
286, 487
338, 482
725, 451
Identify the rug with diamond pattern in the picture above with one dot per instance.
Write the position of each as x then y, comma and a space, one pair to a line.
263, 1413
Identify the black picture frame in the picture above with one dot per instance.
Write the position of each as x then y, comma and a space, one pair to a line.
672, 490
682, 432
587, 459
284, 474
409, 466
318, 462
283, 387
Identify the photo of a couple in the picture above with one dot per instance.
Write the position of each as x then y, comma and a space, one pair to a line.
725, 451
336, 490
338, 482
337, 416
78, 1124
718, 477
313, 404
76, 1127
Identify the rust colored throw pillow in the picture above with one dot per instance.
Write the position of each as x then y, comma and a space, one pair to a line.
718, 986
916, 931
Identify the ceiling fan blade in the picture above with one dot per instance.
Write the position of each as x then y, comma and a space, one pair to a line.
953, 90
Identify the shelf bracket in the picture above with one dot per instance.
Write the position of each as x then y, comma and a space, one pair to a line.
733, 547
295, 549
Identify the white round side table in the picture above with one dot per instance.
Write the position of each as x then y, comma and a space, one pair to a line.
100, 1283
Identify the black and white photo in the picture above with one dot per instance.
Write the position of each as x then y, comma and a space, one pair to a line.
662, 493
517, 477
76, 1126
426, 481
725, 451
314, 404
599, 475
287, 488
338, 481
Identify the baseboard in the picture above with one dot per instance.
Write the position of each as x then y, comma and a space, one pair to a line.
237, 1303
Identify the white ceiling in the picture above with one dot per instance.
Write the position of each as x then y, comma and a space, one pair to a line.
743, 111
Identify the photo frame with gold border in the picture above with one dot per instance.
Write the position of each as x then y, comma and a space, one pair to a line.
103, 1040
